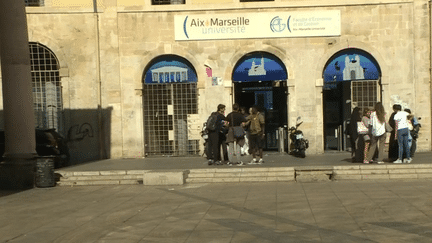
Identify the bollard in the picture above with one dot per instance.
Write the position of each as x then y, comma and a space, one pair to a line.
45, 172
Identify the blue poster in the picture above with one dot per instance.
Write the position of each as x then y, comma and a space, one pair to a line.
348, 65
170, 69
259, 66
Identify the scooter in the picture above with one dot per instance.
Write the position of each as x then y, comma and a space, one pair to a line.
298, 143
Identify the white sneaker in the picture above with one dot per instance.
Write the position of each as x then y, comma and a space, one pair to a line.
409, 160
380, 162
253, 162
261, 161
240, 163
398, 162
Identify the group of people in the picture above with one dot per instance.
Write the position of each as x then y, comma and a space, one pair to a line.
237, 130
368, 132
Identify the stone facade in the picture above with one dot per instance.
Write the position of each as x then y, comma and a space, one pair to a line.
104, 54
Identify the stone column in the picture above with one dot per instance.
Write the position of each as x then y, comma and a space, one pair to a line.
18, 166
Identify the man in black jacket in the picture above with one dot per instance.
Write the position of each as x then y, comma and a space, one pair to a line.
214, 139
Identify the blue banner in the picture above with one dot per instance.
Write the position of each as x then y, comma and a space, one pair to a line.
349, 65
259, 66
170, 69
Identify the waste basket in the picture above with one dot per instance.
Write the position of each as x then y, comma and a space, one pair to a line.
45, 171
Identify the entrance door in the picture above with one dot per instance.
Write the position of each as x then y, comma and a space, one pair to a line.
260, 79
170, 107
271, 99
351, 79
339, 101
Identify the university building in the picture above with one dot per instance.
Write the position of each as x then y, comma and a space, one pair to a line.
136, 78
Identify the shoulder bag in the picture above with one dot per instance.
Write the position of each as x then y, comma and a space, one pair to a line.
361, 128
238, 131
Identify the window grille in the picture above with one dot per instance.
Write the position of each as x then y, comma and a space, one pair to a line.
365, 94
165, 2
47, 90
166, 108
34, 3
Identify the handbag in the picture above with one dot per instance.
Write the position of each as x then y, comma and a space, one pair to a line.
238, 131
361, 128
388, 127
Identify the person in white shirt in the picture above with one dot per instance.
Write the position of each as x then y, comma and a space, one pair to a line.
402, 133
377, 120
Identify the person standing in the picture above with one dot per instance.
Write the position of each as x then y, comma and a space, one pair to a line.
367, 135
402, 133
257, 133
214, 135
377, 119
352, 131
235, 119
393, 145
245, 147
414, 127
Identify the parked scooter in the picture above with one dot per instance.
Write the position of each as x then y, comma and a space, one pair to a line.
298, 144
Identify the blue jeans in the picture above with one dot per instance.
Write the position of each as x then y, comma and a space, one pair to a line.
402, 137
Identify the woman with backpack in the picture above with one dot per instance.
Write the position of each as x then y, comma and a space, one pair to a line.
257, 133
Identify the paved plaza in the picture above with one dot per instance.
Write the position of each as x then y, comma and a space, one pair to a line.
347, 211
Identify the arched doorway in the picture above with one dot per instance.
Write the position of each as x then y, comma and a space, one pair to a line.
351, 79
169, 103
46, 87
260, 79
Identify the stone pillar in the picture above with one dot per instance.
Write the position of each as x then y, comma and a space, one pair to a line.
18, 166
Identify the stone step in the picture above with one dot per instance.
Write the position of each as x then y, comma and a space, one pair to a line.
99, 177
246, 174
87, 178
240, 175
383, 172
98, 182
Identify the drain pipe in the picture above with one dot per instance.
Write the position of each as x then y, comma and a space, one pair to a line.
430, 57
99, 88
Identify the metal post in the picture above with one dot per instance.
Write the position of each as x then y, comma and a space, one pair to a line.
281, 140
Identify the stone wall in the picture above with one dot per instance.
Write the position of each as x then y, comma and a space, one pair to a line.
103, 57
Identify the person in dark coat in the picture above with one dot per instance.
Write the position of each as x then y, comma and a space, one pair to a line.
215, 139
393, 145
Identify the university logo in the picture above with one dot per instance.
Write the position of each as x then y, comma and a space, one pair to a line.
184, 27
276, 24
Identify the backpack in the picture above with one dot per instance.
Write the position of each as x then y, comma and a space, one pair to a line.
212, 122
255, 125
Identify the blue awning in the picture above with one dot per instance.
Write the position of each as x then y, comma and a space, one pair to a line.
259, 66
170, 69
351, 64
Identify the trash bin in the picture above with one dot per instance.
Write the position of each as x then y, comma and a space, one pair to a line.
45, 172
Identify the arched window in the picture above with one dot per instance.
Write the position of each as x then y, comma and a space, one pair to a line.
47, 90
170, 103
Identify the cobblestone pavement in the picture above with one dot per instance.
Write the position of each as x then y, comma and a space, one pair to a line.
356, 211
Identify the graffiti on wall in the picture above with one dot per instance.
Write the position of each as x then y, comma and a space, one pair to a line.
79, 132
